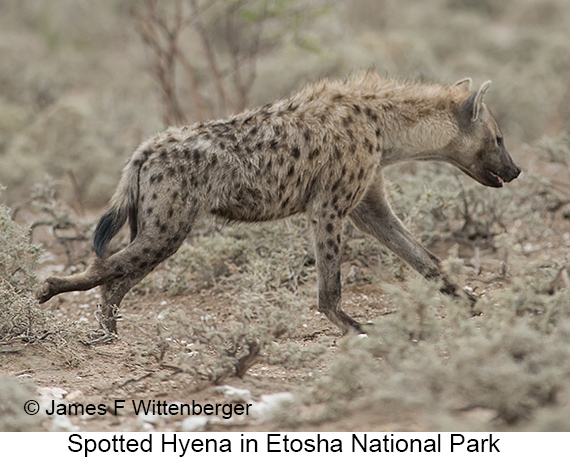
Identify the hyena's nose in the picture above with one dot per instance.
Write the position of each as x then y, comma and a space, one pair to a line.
513, 172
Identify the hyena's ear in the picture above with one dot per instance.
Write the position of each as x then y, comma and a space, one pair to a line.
464, 83
479, 100
472, 106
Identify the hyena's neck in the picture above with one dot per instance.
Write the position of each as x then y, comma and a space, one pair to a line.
410, 134
415, 121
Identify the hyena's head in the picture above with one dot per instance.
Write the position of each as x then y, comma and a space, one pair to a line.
479, 150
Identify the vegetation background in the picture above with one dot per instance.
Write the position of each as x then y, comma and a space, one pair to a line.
82, 83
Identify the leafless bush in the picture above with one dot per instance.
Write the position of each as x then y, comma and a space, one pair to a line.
228, 38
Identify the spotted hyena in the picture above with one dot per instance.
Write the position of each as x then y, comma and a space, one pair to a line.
320, 152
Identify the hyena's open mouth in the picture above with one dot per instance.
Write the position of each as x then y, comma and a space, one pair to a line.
495, 179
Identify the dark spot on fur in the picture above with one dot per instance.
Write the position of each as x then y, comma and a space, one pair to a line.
296, 153
329, 256
273, 145
329, 227
170, 213
147, 152
154, 196
314, 153
196, 154
307, 135
372, 115
356, 109
361, 174
337, 97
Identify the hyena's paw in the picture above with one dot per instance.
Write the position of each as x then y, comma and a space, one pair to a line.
48, 289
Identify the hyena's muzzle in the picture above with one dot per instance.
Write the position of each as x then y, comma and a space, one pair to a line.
492, 165
500, 170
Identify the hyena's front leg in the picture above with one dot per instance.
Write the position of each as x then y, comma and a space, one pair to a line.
374, 216
327, 236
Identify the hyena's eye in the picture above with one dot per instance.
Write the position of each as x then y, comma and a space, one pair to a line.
500, 141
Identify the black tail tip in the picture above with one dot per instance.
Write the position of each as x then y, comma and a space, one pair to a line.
107, 227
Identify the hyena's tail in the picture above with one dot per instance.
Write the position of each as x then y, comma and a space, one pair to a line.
123, 205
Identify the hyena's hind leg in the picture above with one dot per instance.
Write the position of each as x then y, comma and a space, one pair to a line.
116, 274
96, 274
374, 216
136, 262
